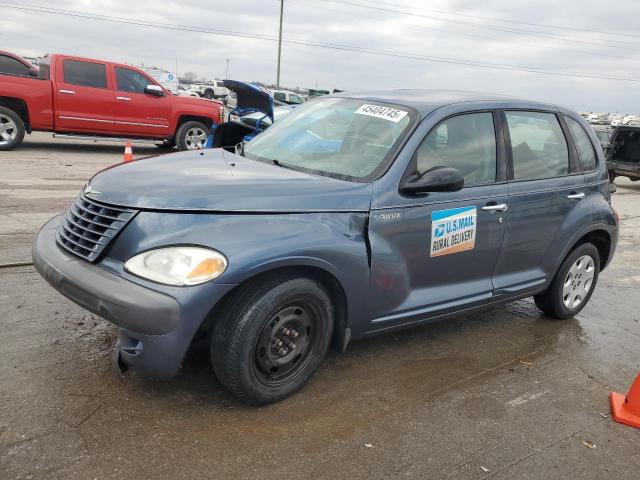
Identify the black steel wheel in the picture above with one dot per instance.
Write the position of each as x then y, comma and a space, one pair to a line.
271, 337
286, 343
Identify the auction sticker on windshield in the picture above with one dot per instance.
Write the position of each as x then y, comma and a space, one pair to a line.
453, 230
378, 111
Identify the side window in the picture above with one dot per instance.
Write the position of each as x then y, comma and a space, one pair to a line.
295, 98
465, 142
85, 73
538, 145
280, 96
130, 81
586, 152
12, 66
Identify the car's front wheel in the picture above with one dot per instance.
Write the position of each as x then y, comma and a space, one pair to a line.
573, 285
272, 337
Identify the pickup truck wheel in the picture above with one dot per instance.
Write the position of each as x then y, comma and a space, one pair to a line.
272, 337
573, 285
209, 95
11, 129
191, 136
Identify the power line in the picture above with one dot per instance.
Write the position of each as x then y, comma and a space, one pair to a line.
485, 26
333, 46
515, 22
313, 3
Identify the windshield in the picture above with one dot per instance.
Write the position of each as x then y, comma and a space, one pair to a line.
337, 137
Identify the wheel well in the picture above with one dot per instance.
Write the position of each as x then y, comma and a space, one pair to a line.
20, 107
188, 118
326, 279
601, 240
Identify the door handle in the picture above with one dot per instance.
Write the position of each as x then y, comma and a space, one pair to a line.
125, 99
496, 207
68, 92
576, 196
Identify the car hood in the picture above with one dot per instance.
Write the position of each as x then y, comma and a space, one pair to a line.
219, 181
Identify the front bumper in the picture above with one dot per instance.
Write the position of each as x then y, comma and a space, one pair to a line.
156, 328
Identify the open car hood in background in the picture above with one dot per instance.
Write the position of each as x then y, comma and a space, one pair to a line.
250, 98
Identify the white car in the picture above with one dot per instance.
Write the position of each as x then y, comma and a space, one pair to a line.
210, 90
285, 96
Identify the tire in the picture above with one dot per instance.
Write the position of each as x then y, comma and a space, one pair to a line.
252, 348
191, 135
612, 176
11, 129
573, 284
209, 95
166, 145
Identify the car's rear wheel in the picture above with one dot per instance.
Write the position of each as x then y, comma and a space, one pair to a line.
573, 285
11, 129
209, 95
272, 337
191, 136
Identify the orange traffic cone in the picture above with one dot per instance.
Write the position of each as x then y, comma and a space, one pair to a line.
627, 409
128, 152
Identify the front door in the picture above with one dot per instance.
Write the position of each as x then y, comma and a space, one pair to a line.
138, 113
84, 99
547, 204
437, 253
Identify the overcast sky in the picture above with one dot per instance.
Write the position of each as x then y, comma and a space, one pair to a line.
604, 39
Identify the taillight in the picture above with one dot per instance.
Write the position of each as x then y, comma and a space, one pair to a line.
616, 216
221, 113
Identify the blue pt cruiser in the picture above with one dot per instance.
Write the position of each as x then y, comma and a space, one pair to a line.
355, 215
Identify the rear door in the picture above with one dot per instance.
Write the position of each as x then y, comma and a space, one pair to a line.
624, 152
435, 253
138, 113
546, 200
83, 97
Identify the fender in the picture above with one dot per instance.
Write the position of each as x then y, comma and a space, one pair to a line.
333, 242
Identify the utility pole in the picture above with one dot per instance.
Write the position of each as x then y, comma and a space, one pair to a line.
226, 73
280, 43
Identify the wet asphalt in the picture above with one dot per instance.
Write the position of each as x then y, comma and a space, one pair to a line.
504, 394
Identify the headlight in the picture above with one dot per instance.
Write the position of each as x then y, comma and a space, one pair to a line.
178, 265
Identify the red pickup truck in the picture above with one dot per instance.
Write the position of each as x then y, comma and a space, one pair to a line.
73, 96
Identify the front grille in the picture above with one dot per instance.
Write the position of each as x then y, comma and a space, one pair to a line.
89, 226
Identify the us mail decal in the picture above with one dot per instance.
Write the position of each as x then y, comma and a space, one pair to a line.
453, 230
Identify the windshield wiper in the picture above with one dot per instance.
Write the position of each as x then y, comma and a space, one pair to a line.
278, 163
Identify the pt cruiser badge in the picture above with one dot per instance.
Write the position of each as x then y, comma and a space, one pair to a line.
352, 216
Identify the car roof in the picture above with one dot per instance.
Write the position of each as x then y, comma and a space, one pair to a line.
425, 100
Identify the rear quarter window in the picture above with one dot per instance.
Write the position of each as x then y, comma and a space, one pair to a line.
586, 152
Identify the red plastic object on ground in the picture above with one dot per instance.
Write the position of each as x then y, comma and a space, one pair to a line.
626, 409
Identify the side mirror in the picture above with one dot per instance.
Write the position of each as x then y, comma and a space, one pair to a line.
154, 90
436, 179
32, 72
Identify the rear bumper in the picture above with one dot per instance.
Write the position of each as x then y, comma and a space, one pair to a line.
156, 328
